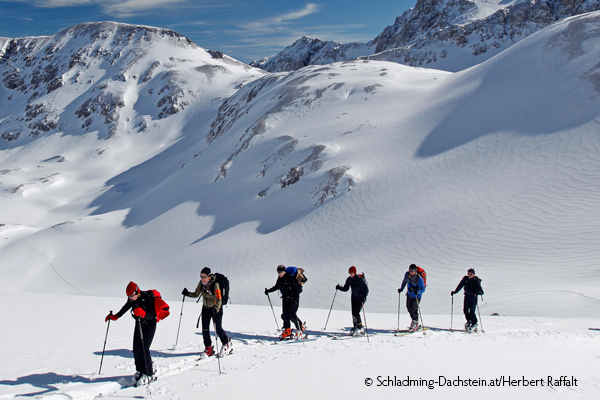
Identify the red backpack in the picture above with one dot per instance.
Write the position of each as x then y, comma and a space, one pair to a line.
161, 308
423, 274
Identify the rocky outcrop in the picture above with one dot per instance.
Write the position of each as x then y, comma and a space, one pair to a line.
443, 34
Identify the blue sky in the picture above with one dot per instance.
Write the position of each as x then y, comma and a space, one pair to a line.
243, 29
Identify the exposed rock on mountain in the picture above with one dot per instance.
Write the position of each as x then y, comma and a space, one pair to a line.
442, 34
111, 77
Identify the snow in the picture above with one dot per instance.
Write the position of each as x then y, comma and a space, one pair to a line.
52, 347
495, 167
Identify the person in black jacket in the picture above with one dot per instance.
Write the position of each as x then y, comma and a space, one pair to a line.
472, 285
142, 306
360, 291
290, 297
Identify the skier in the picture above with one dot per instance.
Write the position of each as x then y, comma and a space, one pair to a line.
360, 290
290, 297
416, 287
142, 306
472, 285
212, 309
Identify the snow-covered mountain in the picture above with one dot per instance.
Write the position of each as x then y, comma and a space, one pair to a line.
103, 73
365, 163
451, 35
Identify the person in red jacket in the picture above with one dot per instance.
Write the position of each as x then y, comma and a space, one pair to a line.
141, 305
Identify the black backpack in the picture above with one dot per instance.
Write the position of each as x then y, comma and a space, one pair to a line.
224, 286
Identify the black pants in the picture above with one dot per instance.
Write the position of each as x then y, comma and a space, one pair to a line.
141, 346
357, 305
290, 308
413, 307
469, 308
207, 316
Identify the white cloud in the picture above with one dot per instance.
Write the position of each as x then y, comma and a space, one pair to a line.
279, 21
116, 8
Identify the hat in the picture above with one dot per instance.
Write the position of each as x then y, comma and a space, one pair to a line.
352, 270
281, 268
132, 288
471, 271
205, 271
412, 267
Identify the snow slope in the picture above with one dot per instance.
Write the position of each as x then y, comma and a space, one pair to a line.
363, 163
56, 355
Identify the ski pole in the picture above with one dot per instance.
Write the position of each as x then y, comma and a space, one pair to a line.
452, 312
139, 322
180, 315
477, 305
276, 324
399, 301
420, 314
330, 309
365, 317
217, 343
105, 337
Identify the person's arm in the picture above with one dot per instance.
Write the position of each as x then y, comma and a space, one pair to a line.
125, 308
404, 281
197, 292
460, 285
219, 297
345, 287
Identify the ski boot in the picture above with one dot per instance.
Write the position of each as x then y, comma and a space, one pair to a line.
473, 328
414, 326
286, 334
225, 349
467, 326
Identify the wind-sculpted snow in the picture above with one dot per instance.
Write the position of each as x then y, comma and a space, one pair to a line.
365, 163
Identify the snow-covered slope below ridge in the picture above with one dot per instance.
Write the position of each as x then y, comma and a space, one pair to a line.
363, 163
451, 35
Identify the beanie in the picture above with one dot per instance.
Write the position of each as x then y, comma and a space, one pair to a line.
471, 271
352, 270
281, 268
412, 267
205, 271
132, 288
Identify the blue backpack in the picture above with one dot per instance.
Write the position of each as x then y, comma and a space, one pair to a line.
297, 273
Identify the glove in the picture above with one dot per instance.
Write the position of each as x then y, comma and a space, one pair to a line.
452, 293
415, 290
337, 287
139, 312
214, 311
185, 292
266, 292
111, 316
399, 290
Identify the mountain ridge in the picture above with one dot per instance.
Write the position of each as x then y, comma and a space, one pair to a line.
444, 34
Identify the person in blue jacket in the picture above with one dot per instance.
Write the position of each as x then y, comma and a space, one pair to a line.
415, 288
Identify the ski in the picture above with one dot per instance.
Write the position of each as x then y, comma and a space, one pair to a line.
303, 338
409, 332
347, 336
594, 329
446, 330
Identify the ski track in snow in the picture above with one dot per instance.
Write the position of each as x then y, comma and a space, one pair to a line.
65, 364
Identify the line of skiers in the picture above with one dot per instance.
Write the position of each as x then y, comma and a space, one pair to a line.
147, 307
